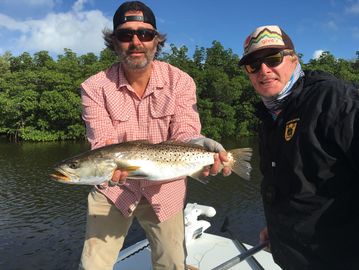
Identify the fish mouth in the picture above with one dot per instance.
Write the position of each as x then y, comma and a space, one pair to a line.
59, 176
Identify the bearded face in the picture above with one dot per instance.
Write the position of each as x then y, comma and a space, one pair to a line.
137, 56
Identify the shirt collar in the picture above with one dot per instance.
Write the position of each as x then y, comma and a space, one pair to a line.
156, 82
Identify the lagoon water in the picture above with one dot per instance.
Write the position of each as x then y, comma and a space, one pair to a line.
42, 223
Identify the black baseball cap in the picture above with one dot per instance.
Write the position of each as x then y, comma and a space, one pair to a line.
120, 18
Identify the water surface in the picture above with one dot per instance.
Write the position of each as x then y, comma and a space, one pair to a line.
42, 222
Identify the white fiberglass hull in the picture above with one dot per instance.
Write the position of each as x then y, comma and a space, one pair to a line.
205, 251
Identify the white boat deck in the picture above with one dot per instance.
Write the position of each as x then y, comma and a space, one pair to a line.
205, 251
210, 250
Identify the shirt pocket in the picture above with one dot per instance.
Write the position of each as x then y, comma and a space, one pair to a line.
162, 110
118, 106
121, 122
162, 105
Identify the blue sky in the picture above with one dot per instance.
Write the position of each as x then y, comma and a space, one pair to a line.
51, 25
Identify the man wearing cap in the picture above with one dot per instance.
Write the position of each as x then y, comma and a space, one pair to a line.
309, 156
139, 98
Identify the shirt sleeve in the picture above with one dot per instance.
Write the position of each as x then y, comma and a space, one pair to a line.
185, 123
99, 128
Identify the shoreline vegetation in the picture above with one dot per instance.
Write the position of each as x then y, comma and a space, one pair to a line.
40, 97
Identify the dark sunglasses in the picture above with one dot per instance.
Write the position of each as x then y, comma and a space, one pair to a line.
126, 35
270, 61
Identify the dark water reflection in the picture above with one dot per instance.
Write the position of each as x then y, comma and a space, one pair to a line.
42, 222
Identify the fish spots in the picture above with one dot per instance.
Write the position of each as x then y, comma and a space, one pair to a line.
156, 162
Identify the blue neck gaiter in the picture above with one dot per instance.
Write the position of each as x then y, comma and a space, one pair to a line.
275, 103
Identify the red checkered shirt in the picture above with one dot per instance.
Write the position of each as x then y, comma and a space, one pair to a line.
166, 111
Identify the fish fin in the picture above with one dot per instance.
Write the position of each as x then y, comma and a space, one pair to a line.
241, 165
199, 177
129, 168
186, 144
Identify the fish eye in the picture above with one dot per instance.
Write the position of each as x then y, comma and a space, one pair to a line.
73, 165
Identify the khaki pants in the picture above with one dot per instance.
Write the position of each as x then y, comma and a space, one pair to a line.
107, 228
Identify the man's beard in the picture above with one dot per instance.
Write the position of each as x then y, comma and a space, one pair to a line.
136, 63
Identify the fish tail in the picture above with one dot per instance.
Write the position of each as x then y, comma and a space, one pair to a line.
240, 163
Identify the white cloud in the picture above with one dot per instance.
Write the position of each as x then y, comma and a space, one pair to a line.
11, 24
317, 54
78, 30
78, 5
354, 8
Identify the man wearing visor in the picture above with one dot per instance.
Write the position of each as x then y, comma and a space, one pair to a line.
309, 156
139, 98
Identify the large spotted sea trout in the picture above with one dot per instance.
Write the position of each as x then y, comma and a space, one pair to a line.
143, 160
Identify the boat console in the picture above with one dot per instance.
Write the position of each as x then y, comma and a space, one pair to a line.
194, 227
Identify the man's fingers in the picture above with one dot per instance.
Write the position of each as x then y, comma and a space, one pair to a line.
215, 166
110, 141
223, 156
118, 178
226, 171
124, 175
205, 171
263, 235
219, 159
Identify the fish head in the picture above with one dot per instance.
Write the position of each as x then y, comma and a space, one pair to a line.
84, 170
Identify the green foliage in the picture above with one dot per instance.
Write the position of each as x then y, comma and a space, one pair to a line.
223, 90
5, 63
218, 119
32, 134
40, 98
42, 59
344, 69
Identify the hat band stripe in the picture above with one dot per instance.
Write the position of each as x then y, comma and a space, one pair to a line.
272, 37
132, 18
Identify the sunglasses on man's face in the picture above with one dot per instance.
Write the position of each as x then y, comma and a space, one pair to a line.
144, 35
270, 61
